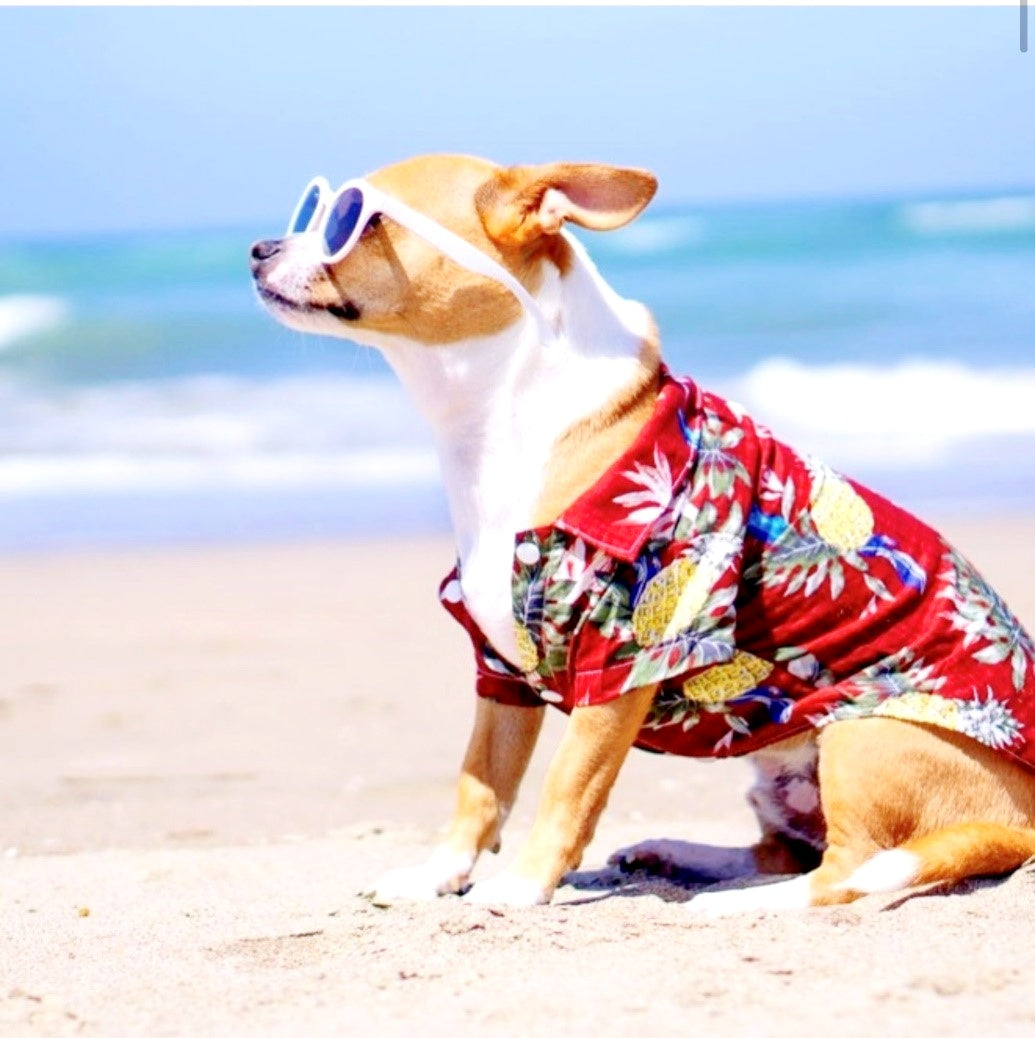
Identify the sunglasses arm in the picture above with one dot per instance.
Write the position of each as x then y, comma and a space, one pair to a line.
460, 251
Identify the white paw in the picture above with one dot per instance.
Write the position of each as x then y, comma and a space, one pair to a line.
786, 895
671, 857
507, 889
445, 872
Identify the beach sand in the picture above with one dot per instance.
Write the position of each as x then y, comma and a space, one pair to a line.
205, 753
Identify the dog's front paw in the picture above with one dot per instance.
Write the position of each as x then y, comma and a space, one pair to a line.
445, 872
509, 890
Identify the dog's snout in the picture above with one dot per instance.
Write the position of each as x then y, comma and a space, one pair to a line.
263, 250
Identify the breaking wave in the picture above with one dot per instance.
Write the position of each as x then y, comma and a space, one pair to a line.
975, 216
24, 315
348, 431
909, 414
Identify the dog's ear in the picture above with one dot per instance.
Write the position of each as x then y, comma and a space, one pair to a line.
522, 203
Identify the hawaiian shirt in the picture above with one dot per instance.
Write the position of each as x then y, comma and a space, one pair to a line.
762, 592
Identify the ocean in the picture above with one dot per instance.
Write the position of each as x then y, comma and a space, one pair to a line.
146, 398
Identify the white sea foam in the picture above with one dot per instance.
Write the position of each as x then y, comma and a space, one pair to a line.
24, 315
353, 432
97, 472
210, 432
656, 234
208, 415
977, 216
899, 416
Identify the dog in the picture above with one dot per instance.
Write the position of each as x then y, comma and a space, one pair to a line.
643, 555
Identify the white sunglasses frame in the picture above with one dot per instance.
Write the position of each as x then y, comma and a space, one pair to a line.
323, 193
375, 203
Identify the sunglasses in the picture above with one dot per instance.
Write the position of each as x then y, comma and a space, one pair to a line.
340, 218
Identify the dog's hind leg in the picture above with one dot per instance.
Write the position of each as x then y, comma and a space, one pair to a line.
946, 856
785, 799
905, 804
686, 862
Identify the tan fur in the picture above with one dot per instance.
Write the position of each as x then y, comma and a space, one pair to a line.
523, 204
578, 783
497, 756
970, 849
887, 783
403, 286
588, 449
579, 780
776, 855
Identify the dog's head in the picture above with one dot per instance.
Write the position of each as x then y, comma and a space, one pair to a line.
395, 284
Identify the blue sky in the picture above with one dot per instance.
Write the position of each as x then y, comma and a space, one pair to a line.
163, 118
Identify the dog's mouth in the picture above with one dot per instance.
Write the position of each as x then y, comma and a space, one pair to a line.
274, 298
346, 310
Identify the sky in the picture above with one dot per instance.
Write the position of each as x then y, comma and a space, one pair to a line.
153, 118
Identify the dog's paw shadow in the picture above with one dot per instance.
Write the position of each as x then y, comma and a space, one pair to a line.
671, 883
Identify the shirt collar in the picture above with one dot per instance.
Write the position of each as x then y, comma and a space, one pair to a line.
617, 513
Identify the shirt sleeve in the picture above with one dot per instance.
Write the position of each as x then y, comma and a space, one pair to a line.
495, 678
497, 681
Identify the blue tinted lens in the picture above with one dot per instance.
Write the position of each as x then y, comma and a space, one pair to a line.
341, 223
306, 208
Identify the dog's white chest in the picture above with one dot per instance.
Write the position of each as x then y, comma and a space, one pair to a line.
498, 407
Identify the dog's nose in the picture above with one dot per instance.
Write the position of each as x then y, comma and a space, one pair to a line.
263, 250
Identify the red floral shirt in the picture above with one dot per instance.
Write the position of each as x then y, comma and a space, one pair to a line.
761, 591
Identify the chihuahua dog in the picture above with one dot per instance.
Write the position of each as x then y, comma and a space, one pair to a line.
643, 555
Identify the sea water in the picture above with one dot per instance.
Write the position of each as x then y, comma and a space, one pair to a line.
145, 396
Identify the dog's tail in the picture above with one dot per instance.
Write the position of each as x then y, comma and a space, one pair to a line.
947, 855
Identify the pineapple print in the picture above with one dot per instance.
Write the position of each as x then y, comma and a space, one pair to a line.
979, 612
672, 600
727, 680
528, 654
842, 517
922, 708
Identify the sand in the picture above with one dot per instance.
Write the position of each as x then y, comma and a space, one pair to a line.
205, 753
